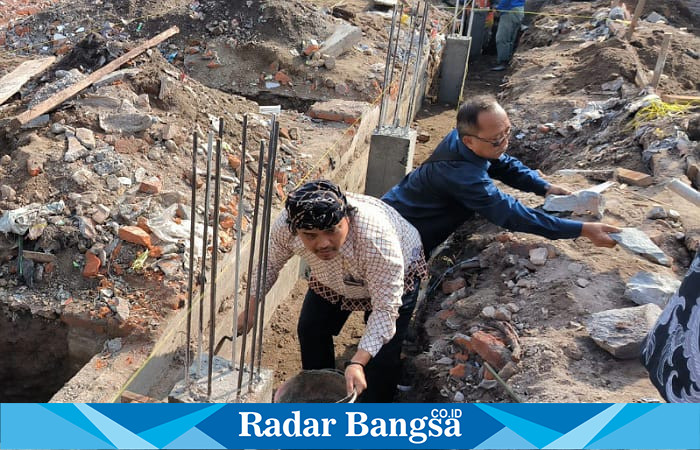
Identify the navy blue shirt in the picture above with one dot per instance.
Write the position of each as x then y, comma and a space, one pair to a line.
440, 196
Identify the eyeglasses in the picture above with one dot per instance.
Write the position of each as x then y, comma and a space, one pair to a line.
497, 143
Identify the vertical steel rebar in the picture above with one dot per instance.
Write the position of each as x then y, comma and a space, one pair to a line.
203, 265
387, 66
239, 236
461, 16
272, 161
416, 70
404, 69
214, 257
250, 266
260, 284
454, 18
387, 88
190, 280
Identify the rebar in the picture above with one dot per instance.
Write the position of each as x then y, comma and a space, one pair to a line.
239, 236
382, 105
251, 259
260, 284
416, 70
272, 161
454, 18
214, 257
387, 87
404, 68
190, 280
203, 265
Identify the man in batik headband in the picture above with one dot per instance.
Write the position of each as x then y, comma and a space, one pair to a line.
363, 256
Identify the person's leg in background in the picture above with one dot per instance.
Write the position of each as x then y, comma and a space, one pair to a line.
384, 370
319, 321
508, 26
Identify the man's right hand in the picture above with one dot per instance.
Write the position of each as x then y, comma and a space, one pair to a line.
241, 321
598, 233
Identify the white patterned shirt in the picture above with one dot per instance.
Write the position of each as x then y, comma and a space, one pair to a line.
375, 266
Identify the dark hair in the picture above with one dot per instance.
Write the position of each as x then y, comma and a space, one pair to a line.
318, 204
468, 114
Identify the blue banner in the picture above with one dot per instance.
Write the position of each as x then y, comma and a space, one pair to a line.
349, 426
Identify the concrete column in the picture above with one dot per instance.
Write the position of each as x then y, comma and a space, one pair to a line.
224, 385
454, 60
390, 158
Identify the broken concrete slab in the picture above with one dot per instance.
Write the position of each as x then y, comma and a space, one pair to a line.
11, 83
343, 39
74, 150
125, 123
86, 137
633, 177
579, 202
646, 287
621, 331
118, 75
638, 242
39, 122
336, 110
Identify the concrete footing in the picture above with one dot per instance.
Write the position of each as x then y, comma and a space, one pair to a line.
454, 61
390, 158
224, 385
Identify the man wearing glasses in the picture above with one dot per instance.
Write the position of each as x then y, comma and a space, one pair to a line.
457, 181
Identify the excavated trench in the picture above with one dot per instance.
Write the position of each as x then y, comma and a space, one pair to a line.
38, 356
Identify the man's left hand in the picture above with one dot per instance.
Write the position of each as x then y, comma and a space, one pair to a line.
557, 190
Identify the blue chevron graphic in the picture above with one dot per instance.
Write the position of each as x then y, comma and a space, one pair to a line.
56, 432
666, 426
69, 412
146, 415
582, 435
506, 439
629, 413
195, 439
120, 436
561, 417
530, 431
161, 435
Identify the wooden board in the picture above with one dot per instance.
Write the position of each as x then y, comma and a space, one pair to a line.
13, 81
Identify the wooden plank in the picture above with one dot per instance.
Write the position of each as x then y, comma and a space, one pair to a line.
13, 81
39, 256
60, 97
635, 18
673, 98
661, 61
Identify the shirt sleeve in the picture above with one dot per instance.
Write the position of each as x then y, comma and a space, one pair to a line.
516, 174
279, 252
482, 196
384, 269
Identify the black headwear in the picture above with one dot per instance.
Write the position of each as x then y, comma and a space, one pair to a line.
317, 204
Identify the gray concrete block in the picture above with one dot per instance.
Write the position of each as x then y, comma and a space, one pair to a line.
342, 40
454, 60
390, 159
224, 384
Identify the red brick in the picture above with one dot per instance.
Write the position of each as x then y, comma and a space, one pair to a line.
311, 49
464, 344
281, 177
227, 222
283, 78
151, 185
458, 371
634, 178
234, 162
461, 357
135, 235
92, 265
491, 349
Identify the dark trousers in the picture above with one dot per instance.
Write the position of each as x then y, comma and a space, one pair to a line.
320, 320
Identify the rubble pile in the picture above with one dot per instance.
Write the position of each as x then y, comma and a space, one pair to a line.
563, 320
96, 195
